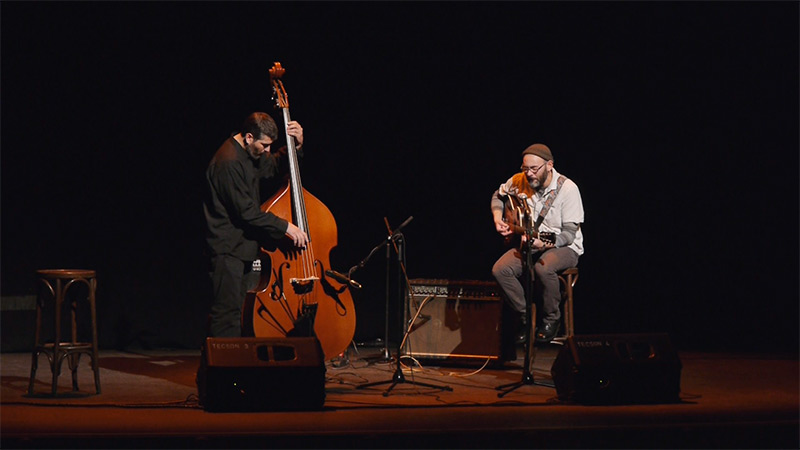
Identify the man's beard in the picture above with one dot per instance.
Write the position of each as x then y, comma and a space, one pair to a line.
251, 149
537, 183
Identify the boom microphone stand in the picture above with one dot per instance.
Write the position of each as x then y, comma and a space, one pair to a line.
388, 243
396, 239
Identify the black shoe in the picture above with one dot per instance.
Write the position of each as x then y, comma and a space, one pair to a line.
521, 335
547, 332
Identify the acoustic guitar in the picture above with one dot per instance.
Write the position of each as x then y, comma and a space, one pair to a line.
518, 216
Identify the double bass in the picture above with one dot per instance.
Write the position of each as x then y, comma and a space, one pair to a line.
295, 297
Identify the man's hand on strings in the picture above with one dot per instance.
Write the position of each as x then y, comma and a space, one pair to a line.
502, 227
298, 236
294, 129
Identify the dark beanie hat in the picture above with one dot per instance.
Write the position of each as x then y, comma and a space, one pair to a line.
539, 150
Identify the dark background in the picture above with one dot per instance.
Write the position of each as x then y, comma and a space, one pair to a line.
678, 121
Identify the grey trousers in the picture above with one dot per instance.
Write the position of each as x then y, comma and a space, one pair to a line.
508, 270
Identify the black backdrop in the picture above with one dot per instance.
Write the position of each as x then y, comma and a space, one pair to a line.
679, 122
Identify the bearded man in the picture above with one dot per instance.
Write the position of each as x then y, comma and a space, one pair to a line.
553, 202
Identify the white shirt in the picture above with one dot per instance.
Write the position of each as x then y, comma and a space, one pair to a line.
567, 207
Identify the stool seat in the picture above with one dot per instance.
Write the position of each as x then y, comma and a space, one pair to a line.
570, 271
66, 273
54, 284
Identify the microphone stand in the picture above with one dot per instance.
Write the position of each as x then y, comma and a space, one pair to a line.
388, 243
530, 316
398, 377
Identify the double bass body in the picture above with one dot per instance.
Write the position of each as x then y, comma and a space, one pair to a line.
294, 292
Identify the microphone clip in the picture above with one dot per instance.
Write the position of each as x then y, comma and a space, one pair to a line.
342, 278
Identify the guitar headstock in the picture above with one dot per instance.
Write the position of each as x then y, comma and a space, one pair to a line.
278, 91
548, 237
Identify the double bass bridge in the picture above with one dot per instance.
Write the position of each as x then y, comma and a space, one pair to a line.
303, 286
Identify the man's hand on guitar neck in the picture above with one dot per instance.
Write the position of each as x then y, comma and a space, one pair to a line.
538, 244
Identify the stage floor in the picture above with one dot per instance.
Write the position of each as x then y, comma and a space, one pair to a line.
149, 400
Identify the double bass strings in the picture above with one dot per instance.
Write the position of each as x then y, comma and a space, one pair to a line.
309, 273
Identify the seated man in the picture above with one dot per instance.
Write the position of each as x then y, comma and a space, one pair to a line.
554, 204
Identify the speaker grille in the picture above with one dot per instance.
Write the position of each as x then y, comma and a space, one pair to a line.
454, 320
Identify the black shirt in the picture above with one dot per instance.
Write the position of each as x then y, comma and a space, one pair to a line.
236, 225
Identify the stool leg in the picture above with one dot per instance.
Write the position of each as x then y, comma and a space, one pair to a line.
55, 363
569, 305
36, 338
58, 361
95, 359
562, 283
34, 364
74, 360
55, 367
96, 369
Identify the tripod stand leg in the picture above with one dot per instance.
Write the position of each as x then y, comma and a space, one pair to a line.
530, 353
398, 377
506, 388
432, 386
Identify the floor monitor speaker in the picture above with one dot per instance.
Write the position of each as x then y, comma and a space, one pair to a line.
262, 374
617, 369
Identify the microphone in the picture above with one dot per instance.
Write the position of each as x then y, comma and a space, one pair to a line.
406, 222
341, 278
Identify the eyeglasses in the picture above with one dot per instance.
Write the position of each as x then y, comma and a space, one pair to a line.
532, 169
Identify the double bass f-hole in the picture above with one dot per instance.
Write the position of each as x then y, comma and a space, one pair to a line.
277, 285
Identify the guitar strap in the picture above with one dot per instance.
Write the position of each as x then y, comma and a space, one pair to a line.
549, 202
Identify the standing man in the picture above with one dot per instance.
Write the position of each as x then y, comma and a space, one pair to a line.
542, 188
236, 226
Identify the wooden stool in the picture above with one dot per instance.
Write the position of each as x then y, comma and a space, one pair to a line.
568, 278
57, 350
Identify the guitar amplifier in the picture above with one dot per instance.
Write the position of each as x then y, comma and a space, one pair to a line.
453, 320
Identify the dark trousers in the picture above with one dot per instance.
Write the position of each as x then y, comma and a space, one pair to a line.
231, 278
